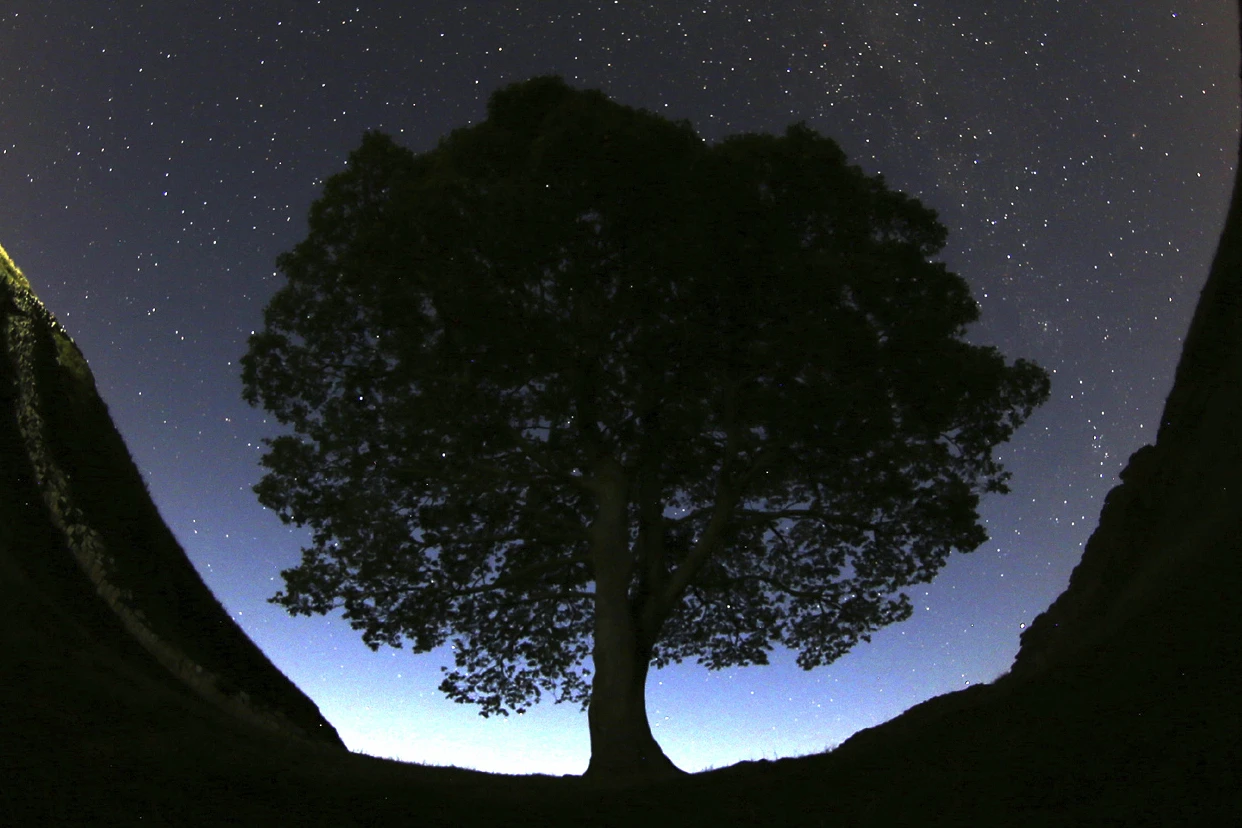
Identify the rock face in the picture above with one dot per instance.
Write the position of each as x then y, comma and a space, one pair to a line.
86, 563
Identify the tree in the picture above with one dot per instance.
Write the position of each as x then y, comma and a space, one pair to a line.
575, 384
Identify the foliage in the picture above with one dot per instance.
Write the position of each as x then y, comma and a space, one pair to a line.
755, 331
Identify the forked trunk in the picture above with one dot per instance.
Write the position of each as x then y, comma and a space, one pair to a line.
622, 747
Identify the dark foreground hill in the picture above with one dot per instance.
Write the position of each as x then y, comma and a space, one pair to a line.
128, 697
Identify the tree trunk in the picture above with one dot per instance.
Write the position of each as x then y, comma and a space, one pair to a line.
622, 747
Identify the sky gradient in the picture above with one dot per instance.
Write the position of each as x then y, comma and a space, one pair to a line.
155, 158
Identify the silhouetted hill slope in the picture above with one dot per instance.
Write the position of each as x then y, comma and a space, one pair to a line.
90, 572
1181, 498
1121, 707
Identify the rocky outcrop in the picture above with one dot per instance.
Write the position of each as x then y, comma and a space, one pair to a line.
1177, 514
72, 491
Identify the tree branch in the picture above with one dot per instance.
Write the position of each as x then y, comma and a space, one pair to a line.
515, 578
759, 515
774, 582
549, 596
651, 535
764, 459
726, 499
574, 532
522, 445
689, 516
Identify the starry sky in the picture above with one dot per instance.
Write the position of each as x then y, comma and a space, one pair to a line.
156, 157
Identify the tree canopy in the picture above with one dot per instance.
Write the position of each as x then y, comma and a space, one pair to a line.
576, 384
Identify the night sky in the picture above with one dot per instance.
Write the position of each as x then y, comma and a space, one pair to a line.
157, 157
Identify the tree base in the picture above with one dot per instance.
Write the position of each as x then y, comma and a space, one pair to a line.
625, 773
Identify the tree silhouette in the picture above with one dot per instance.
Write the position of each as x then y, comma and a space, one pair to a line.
575, 384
